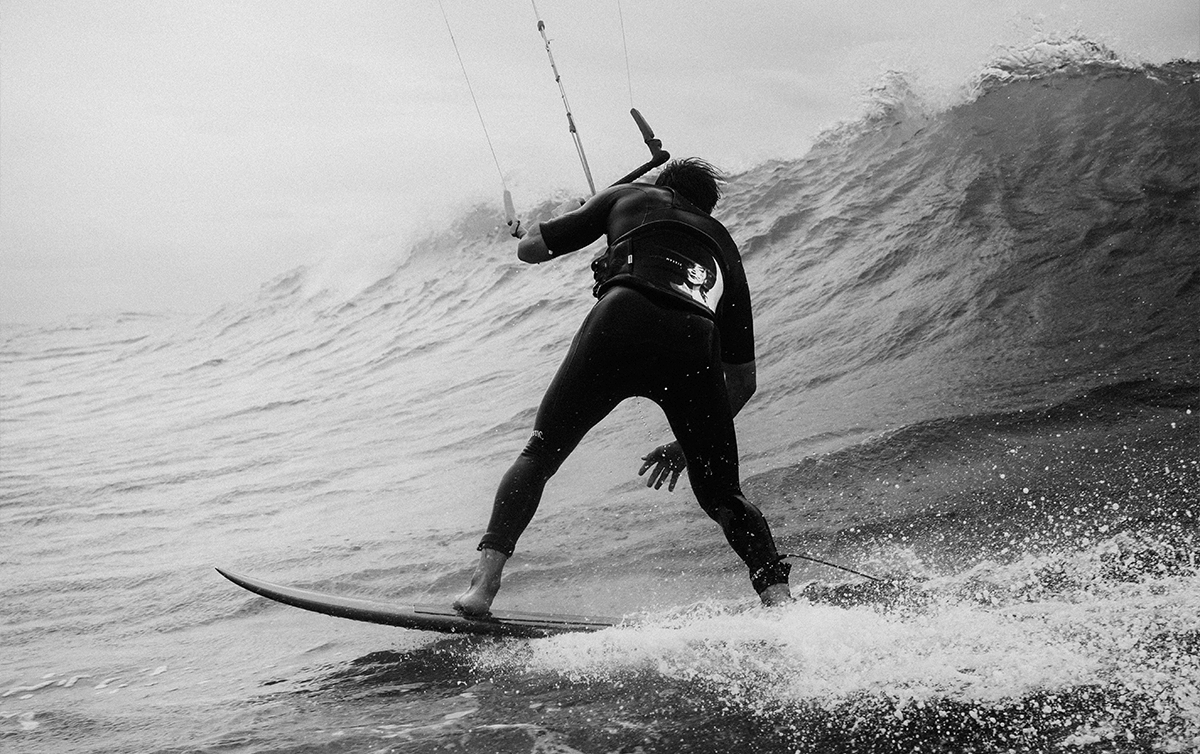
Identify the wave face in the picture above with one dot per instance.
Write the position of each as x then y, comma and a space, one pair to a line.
1015, 251
979, 369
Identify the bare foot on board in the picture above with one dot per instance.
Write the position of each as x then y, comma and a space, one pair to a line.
485, 583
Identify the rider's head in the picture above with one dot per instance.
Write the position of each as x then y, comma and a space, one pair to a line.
695, 179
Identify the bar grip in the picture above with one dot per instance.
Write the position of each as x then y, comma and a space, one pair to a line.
658, 155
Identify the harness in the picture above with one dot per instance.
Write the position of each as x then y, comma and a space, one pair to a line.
670, 256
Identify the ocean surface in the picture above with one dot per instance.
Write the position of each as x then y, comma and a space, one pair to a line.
979, 367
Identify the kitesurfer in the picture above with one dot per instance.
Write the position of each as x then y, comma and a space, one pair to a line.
673, 324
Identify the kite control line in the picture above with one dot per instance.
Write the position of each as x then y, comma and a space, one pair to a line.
471, 90
658, 155
625, 46
510, 214
570, 118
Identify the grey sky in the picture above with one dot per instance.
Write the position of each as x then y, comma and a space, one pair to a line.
176, 154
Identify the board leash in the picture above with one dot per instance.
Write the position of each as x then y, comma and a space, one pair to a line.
832, 565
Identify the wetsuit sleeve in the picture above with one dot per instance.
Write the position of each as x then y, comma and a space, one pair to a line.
735, 319
577, 229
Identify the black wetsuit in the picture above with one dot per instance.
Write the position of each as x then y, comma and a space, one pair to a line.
644, 339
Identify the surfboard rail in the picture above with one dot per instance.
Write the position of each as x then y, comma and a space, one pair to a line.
443, 619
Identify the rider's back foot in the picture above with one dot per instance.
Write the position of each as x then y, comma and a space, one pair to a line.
776, 594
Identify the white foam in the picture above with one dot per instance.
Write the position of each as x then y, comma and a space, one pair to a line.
985, 641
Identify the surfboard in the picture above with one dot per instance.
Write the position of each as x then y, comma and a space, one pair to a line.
444, 619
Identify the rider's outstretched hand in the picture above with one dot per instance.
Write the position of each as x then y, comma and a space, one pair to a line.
668, 461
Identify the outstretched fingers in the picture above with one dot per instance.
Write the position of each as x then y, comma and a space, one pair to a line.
667, 462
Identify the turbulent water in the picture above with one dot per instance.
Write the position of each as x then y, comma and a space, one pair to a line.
979, 367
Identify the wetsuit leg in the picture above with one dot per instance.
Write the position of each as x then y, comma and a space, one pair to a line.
587, 387
697, 407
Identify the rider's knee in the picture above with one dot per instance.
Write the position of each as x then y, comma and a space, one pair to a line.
545, 457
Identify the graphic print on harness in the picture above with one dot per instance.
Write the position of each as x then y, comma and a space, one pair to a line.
669, 256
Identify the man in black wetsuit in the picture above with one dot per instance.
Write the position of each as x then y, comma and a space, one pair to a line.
672, 324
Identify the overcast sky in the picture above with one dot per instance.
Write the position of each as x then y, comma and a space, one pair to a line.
176, 154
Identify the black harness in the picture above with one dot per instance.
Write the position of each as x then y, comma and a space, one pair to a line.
670, 256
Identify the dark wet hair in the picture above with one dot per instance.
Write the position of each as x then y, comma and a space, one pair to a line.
698, 181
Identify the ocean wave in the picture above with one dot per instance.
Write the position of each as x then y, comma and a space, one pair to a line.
1029, 242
